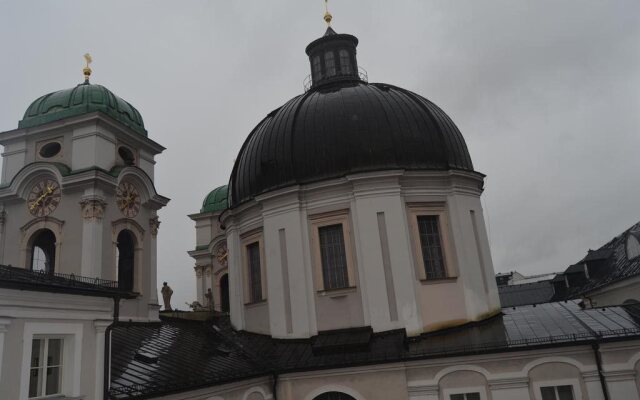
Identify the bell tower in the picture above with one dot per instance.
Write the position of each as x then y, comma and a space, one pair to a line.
77, 194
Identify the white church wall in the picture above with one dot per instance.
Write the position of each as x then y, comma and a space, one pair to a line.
386, 292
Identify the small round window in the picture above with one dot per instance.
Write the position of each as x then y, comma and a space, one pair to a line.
127, 156
50, 149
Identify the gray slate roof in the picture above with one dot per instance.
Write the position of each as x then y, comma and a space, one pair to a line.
190, 355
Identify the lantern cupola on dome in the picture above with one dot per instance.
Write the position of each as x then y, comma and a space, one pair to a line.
333, 56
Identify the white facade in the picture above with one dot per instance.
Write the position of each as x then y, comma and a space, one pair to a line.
86, 225
387, 290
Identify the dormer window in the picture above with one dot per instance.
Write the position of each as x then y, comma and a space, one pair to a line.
633, 245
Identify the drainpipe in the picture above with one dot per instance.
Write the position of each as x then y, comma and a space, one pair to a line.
603, 382
107, 348
275, 386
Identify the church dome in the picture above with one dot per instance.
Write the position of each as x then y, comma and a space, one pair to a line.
82, 99
216, 200
344, 125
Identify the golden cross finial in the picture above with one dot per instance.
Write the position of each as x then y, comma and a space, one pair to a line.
86, 70
327, 15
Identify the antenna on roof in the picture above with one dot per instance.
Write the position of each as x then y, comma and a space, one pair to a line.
327, 15
86, 70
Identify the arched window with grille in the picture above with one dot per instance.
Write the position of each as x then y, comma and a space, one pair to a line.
334, 396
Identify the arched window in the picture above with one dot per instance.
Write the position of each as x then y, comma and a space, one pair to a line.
317, 68
330, 64
224, 293
126, 256
345, 62
43, 251
334, 396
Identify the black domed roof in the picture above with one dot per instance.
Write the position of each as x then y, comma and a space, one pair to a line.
346, 128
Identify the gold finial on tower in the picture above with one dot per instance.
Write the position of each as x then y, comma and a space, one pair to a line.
327, 15
86, 70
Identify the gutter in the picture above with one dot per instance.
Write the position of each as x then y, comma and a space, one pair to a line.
107, 348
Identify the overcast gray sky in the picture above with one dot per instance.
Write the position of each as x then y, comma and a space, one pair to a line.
546, 93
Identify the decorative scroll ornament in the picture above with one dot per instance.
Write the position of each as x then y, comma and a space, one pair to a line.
93, 209
154, 224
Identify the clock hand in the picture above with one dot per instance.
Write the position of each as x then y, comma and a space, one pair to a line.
35, 203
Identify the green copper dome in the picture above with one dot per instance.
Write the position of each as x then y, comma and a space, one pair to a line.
216, 200
82, 99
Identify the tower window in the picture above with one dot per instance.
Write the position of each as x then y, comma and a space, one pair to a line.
333, 256
255, 273
330, 64
45, 374
317, 68
126, 257
345, 62
431, 245
43, 251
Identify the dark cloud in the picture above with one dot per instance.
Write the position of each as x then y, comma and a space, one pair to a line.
546, 93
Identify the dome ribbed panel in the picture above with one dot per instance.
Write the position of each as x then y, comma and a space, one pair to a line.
82, 99
343, 129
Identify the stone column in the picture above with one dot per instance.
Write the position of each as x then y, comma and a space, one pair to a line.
508, 389
154, 225
100, 328
92, 213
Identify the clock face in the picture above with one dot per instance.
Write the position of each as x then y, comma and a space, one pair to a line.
221, 254
44, 197
128, 199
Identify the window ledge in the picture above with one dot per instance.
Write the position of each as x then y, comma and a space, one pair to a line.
255, 303
334, 293
449, 279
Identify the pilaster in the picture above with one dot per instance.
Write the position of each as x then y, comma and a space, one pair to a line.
154, 226
92, 207
4, 327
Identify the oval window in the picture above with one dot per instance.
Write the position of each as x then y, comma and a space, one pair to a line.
127, 156
50, 149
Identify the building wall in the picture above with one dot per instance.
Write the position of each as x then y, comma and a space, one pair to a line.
626, 291
87, 220
387, 293
79, 320
502, 376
